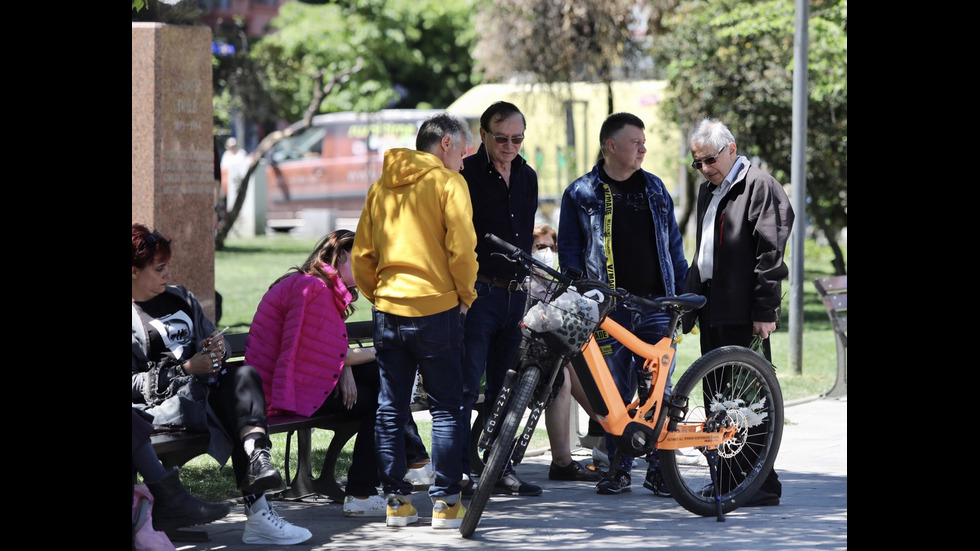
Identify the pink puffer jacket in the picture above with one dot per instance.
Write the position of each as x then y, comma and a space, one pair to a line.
298, 342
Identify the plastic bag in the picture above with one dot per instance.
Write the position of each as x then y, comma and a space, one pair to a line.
570, 316
145, 537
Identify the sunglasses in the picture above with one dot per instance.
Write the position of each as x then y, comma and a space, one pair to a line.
542, 246
516, 140
151, 238
708, 160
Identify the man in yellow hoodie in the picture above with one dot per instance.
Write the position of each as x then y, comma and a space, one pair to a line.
414, 258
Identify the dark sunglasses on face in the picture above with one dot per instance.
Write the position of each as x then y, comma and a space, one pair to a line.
516, 140
707, 160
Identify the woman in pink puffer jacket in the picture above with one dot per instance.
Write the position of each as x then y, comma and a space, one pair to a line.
298, 344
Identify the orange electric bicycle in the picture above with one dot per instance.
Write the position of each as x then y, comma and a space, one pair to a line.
717, 431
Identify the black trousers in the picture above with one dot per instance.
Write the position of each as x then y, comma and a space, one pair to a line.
716, 336
238, 401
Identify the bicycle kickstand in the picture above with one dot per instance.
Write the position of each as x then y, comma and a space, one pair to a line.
712, 456
614, 463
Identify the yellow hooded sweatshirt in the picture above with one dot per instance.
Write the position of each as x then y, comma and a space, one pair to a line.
414, 249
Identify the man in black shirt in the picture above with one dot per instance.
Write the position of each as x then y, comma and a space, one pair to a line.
504, 193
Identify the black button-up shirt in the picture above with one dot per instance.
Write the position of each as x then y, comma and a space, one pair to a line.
505, 212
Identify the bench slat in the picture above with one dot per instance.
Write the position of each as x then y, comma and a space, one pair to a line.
831, 285
835, 303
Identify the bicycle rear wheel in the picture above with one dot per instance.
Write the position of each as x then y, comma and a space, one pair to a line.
501, 451
743, 388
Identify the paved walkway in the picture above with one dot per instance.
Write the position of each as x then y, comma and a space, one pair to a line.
812, 466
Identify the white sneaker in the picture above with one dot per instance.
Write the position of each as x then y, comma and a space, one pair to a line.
372, 506
264, 525
422, 476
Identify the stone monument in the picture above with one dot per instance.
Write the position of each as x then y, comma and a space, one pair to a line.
174, 190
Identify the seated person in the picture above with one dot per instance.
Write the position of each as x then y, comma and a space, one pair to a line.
298, 343
174, 341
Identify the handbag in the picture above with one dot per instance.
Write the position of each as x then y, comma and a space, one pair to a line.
174, 399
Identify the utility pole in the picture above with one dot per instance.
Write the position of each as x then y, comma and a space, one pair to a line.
798, 168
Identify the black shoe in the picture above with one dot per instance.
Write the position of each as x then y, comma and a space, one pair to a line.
616, 484
762, 498
573, 471
509, 484
709, 488
261, 475
655, 482
174, 507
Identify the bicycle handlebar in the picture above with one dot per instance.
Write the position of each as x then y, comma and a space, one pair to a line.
515, 254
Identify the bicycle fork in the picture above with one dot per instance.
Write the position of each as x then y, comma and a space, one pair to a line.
500, 409
496, 416
540, 403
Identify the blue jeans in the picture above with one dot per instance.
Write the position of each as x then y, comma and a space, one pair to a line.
492, 337
625, 366
433, 344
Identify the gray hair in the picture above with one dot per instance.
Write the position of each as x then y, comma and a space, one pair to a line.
711, 132
434, 128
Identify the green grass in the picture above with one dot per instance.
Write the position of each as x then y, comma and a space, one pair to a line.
244, 270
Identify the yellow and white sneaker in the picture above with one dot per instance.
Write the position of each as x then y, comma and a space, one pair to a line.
447, 516
400, 511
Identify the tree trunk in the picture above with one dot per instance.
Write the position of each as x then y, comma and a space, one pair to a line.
840, 267
319, 93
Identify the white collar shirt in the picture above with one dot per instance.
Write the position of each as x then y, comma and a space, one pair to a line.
706, 253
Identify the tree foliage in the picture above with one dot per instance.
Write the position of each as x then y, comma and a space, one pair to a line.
733, 60
416, 54
557, 41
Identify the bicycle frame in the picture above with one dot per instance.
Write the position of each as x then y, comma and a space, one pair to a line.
645, 420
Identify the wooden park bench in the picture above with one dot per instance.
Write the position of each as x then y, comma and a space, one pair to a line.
175, 448
178, 447
833, 292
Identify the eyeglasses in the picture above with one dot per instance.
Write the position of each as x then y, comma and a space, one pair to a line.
516, 140
542, 246
707, 160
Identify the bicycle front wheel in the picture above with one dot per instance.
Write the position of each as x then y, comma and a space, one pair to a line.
731, 384
501, 451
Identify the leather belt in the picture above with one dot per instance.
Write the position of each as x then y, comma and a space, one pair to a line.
511, 285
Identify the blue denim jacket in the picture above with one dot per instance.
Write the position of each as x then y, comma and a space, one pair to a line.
580, 243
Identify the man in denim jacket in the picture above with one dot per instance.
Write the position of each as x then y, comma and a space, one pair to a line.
617, 225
